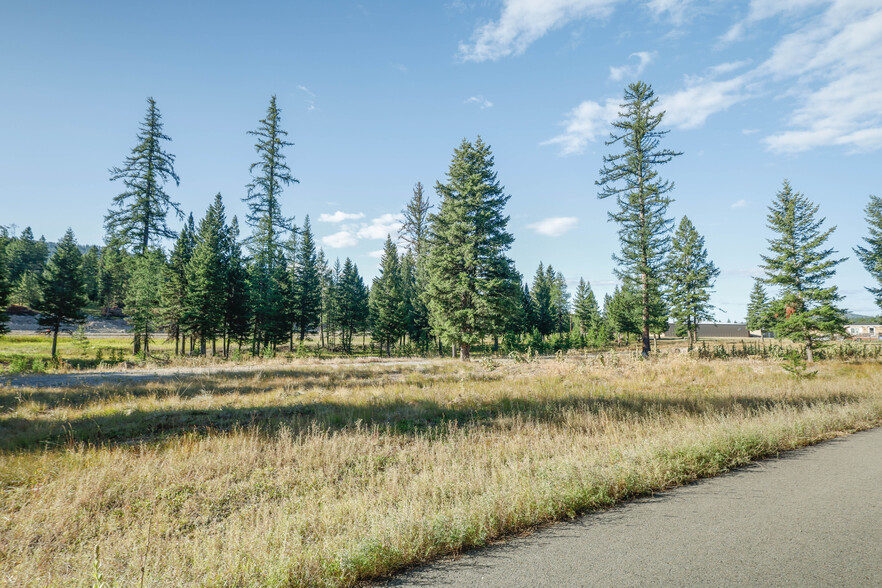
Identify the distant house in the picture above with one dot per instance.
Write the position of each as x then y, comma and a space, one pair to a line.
711, 330
865, 332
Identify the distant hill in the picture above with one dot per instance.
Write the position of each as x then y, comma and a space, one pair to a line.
861, 319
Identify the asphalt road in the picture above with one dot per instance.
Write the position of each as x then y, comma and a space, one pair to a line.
812, 517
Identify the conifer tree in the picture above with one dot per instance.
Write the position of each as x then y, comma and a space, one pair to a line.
143, 297
352, 304
585, 307
416, 321
871, 255
543, 303
759, 317
24, 254
691, 277
414, 231
560, 301
623, 311
174, 284
641, 195
237, 313
528, 311
472, 284
62, 295
113, 276
137, 218
387, 301
90, 274
306, 284
270, 174
5, 289
799, 267
206, 277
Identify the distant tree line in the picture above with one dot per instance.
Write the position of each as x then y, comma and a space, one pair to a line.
449, 287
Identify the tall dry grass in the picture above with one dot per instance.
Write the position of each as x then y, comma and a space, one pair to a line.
325, 475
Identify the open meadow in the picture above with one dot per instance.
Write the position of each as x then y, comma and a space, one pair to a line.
311, 472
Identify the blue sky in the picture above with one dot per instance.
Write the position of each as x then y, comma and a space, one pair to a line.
376, 95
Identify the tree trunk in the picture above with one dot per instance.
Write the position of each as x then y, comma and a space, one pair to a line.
809, 355
54, 340
465, 352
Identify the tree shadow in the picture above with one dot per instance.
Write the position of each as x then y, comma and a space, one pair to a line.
425, 417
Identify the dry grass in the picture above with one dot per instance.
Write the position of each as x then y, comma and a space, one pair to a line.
328, 474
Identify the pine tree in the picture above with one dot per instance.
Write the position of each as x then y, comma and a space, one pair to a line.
113, 276
206, 277
237, 313
585, 307
632, 178
414, 230
269, 177
90, 273
143, 297
137, 218
798, 266
387, 300
871, 256
691, 277
560, 301
759, 317
306, 286
25, 255
543, 303
62, 295
5, 289
472, 284
174, 285
352, 303
624, 312
528, 311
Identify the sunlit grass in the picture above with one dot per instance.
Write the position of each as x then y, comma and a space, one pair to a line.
320, 473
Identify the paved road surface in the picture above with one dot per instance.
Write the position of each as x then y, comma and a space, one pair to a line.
810, 518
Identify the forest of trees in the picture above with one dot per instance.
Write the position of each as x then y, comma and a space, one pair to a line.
450, 285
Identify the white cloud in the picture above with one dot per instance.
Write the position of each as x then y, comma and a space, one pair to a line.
749, 131
738, 204
524, 21
676, 9
554, 226
631, 71
380, 227
340, 239
479, 100
376, 254
303, 88
583, 124
340, 216
690, 107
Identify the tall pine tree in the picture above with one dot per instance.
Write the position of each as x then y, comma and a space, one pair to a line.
387, 300
137, 218
306, 284
759, 316
691, 277
799, 266
641, 195
237, 312
585, 307
270, 174
62, 294
352, 303
871, 255
144, 297
174, 285
472, 283
206, 277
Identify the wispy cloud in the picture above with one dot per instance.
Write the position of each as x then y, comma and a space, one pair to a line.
310, 102
631, 70
738, 204
378, 228
340, 239
749, 131
303, 88
554, 226
400, 67
585, 123
479, 100
376, 254
340, 216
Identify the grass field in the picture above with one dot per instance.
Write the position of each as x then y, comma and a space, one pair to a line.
327, 473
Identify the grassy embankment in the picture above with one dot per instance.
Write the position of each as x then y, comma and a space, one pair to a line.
327, 473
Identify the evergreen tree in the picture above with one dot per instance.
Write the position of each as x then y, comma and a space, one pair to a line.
137, 218
90, 273
759, 317
62, 294
206, 277
5, 289
237, 313
472, 284
113, 276
799, 267
269, 177
25, 255
624, 312
143, 297
414, 230
352, 303
692, 276
871, 256
387, 300
543, 304
632, 178
528, 311
306, 286
585, 307
560, 302
174, 285
415, 313
27, 291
